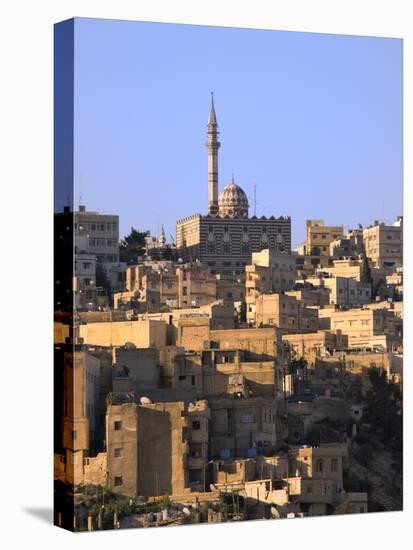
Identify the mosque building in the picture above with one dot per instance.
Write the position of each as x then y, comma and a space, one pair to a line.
225, 238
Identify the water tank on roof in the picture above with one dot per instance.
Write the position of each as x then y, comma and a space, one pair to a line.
145, 401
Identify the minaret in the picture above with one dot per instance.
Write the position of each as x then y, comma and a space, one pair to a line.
212, 145
162, 238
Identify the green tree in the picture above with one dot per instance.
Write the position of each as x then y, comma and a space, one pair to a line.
101, 278
132, 246
384, 412
365, 275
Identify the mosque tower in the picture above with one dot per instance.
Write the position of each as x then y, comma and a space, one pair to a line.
212, 145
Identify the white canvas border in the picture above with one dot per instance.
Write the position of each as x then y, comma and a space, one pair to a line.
26, 169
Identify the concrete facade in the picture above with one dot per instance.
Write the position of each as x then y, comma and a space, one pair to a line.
384, 244
319, 237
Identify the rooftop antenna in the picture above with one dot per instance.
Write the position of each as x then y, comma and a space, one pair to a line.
80, 187
255, 199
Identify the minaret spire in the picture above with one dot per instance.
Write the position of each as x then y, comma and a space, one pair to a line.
212, 145
212, 119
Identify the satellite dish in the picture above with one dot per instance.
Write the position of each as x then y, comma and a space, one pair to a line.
274, 512
145, 401
129, 345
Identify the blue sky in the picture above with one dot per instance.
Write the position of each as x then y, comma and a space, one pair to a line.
315, 121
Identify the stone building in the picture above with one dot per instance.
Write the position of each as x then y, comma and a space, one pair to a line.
134, 370
76, 413
348, 268
103, 232
344, 291
156, 449
314, 344
143, 333
310, 295
84, 283
196, 286
319, 237
269, 272
350, 245
384, 244
364, 327
240, 425
284, 312
305, 482
225, 238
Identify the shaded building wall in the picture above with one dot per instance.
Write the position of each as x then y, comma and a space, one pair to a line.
122, 449
155, 452
260, 344
147, 451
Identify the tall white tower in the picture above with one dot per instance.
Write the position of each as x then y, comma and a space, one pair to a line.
212, 145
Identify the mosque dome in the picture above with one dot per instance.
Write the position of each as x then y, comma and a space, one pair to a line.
233, 201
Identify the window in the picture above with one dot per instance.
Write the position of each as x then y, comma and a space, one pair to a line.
118, 452
181, 377
196, 425
118, 481
319, 465
74, 435
118, 424
309, 489
334, 464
